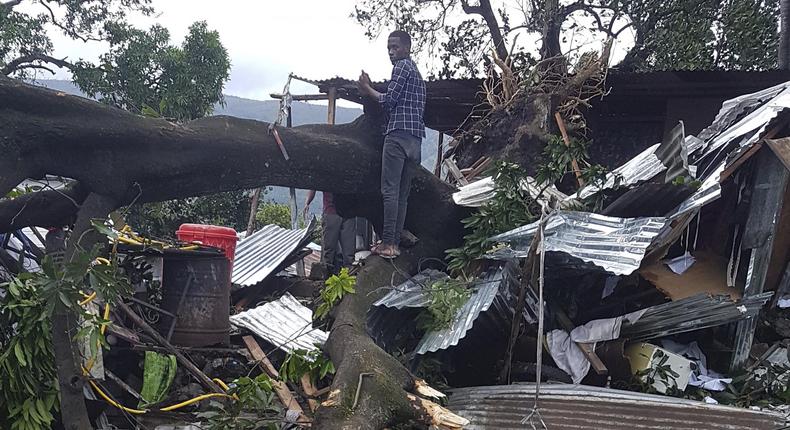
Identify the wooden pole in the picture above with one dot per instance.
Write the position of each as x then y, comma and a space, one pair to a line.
438, 169
204, 380
332, 107
574, 163
283, 393
294, 207
253, 210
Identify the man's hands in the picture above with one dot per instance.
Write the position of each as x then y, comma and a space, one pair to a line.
365, 86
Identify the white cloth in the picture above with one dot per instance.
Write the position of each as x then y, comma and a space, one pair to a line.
569, 357
701, 377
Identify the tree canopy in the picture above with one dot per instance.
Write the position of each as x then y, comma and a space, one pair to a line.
658, 34
143, 73
25, 45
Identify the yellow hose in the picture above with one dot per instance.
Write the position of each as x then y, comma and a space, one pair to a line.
89, 365
128, 241
196, 399
114, 403
88, 298
102, 260
221, 383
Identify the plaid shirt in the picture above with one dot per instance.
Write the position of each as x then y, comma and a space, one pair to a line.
404, 101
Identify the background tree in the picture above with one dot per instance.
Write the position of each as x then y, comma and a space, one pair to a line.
659, 34
143, 73
25, 45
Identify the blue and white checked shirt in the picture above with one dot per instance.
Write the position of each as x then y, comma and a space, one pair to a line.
404, 101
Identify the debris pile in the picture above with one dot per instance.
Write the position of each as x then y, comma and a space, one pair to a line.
666, 300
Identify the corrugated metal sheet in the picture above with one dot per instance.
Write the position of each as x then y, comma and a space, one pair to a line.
486, 290
615, 244
284, 323
643, 167
491, 306
691, 314
411, 294
261, 254
577, 407
481, 191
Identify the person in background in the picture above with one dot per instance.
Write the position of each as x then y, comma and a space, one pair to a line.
404, 104
335, 230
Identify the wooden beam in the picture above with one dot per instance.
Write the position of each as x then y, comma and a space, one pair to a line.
455, 172
280, 388
332, 107
437, 170
301, 97
768, 190
732, 168
586, 348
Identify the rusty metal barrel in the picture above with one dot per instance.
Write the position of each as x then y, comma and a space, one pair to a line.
196, 288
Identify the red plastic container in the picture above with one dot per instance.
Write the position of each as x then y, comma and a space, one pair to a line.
221, 237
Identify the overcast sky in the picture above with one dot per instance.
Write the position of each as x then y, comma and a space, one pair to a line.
265, 40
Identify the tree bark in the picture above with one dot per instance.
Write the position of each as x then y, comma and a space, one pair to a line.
64, 322
784, 34
484, 9
126, 158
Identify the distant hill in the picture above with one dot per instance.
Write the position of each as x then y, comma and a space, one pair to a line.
266, 110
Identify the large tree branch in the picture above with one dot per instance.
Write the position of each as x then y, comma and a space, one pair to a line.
120, 156
9, 4
484, 9
29, 61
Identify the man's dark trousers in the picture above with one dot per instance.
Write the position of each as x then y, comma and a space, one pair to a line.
399, 147
337, 229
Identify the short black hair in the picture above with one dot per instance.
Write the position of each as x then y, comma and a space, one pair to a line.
402, 35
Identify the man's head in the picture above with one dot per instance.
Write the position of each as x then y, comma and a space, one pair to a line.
398, 45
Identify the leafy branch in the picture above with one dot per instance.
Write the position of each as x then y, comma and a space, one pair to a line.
336, 287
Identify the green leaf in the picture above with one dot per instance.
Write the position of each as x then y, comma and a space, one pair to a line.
100, 226
20, 355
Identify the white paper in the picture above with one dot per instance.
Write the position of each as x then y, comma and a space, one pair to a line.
680, 264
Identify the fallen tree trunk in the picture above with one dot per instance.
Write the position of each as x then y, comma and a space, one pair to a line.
128, 158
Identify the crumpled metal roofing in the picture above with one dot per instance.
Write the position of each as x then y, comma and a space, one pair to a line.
410, 294
477, 193
261, 254
576, 407
285, 323
497, 289
643, 167
615, 244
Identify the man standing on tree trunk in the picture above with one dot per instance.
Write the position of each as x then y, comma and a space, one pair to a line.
404, 104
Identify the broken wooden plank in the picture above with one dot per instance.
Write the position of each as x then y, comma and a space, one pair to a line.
781, 148
309, 390
479, 169
732, 168
280, 388
455, 172
204, 380
586, 348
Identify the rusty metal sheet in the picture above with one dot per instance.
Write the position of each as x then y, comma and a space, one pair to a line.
578, 407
